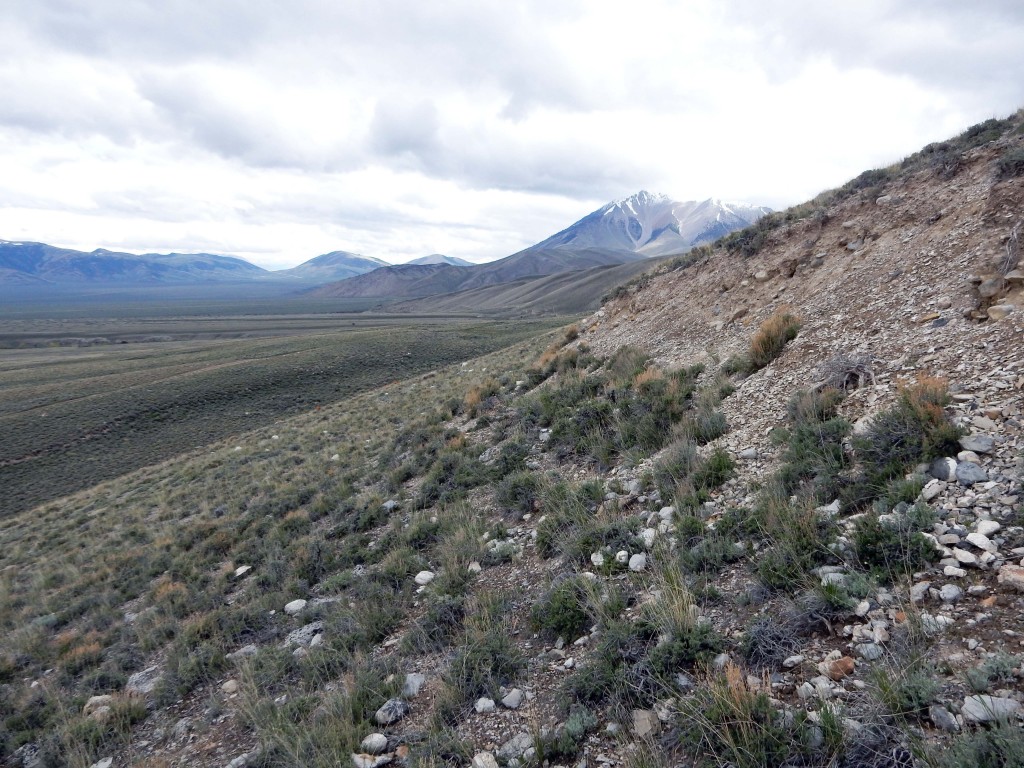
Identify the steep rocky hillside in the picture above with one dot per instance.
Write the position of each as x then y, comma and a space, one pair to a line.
761, 509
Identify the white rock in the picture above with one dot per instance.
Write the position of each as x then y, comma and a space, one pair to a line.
484, 760
647, 536
484, 705
241, 570
638, 562
294, 607
982, 542
597, 559
374, 744
953, 572
622, 557
793, 661
513, 699
984, 708
413, 683
987, 527
423, 578
964, 557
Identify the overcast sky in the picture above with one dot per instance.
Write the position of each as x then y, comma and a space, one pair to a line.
277, 131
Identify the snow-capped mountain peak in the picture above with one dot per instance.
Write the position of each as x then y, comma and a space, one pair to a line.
655, 224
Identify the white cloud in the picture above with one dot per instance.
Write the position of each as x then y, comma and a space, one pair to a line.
280, 131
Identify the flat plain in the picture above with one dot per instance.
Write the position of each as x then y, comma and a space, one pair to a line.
85, 398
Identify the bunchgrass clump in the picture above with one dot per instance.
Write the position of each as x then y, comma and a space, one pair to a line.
771, 338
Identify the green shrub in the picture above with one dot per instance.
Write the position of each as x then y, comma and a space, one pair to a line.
704, 425
890, 549
518, 492
999, 668
906, 691
728, 722
561, 610
914, 429
1011, 164
675, 465
999, 746
713, 470
567, 739
438, 626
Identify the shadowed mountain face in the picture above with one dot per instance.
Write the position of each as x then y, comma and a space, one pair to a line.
419, 280
655, 225
41, 263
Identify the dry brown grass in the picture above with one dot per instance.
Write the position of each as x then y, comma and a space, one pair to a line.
771, 338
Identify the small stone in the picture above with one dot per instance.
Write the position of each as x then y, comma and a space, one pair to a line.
749, 454
943, 302
622, 557
638, 562
968, 474
862, 608
1000, 311
761, 276
95, 702
374, 744
951, 571
516, 746
982, 542
950, 593
513, 699
943, 469
646, 723
371, 761
978, 443
942, 718
793, 661
987, 527
829, 510
870, 651
423, 578
230, 686
294, 607
484, 705
932, 489
484, 760
984, 708
392, 711
647, 536
1010, 575
841, 668
241, 570
964, 557
597, 559
919, 591
106, 762
413, 682
474, 567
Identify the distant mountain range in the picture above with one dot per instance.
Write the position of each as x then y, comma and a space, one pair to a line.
655, 225
621, 233
37, 263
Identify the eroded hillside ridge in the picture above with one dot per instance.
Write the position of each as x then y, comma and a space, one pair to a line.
763, 509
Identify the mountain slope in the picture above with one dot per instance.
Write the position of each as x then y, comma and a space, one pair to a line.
655, 225
336, 265
31, 262
562, 293
418, 280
